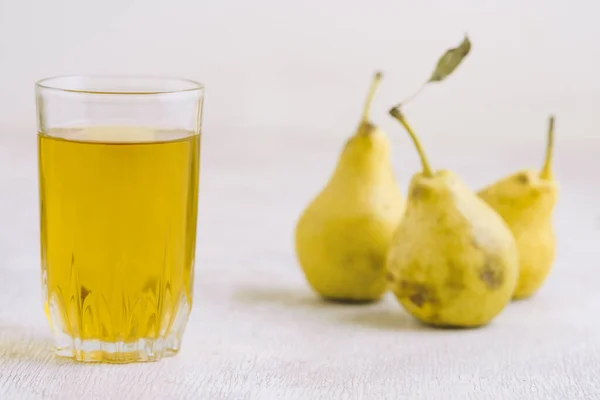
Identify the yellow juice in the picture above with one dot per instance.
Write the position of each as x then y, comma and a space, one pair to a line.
118, 235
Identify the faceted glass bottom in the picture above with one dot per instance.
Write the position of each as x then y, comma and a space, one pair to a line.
143, 350
82, 335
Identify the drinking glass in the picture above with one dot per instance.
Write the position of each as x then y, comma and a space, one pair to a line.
118, 164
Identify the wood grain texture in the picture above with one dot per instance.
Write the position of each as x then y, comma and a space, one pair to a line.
258, 332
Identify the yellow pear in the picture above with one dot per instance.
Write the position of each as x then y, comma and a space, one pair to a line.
343, 235
453, 261
526, 201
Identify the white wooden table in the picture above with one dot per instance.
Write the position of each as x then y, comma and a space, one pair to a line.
257, 331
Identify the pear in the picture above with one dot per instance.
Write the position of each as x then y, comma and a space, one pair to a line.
342, 237
526, 201
453, 261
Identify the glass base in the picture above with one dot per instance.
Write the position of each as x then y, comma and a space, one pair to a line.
143, 350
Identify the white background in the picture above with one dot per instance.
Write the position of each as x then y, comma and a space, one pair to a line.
304, 66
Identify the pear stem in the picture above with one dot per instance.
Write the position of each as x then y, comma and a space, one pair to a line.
547, 168
412, 96
397, 114
374, 85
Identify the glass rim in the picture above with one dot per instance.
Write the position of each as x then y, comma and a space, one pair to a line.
161, 84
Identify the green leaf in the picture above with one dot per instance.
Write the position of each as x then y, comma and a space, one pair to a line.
450, 61
445, 66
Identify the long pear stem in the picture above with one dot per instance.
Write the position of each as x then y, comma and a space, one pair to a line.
374, 85
397, 114
412, 96
547, 168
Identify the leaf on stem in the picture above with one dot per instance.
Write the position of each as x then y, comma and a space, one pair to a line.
450, 61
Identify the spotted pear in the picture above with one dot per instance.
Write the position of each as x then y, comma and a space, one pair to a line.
453, 261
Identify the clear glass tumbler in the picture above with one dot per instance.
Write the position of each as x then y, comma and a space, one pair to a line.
118, 179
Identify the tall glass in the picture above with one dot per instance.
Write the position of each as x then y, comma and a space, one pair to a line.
118, 179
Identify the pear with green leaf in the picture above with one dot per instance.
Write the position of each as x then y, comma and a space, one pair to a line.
343, 235
453, 261
526, 201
